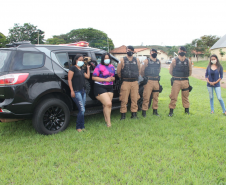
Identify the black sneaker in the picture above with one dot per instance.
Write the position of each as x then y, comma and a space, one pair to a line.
171, 113
123, 116
155, 112
144, 113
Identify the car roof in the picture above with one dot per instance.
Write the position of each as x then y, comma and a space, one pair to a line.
61, 48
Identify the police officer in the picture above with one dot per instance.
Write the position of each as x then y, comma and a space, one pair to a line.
180, 69
129, 70
150, 71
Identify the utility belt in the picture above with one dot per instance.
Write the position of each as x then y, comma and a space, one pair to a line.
154, 78
146, 78
180, 79
129, 79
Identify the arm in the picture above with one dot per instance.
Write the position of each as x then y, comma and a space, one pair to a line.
138, 63
143, 67
190, 67
96, 77
87, 74
119, 68
221, 76
172, 65
70, 76
160, 66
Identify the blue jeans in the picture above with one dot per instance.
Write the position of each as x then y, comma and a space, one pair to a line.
218, 93
80, 99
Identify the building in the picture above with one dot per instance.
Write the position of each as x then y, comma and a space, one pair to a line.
141, 53
198, 56
220, 44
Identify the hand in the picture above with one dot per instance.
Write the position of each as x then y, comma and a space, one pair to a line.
88, 66
112, 78
212, 83
108, 79
72, 94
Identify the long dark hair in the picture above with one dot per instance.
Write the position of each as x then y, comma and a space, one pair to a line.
103, 56
218, 63
76, 58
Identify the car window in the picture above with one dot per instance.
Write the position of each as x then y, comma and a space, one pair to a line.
63, 59
113, 61
98, 57
4, 57
27, 60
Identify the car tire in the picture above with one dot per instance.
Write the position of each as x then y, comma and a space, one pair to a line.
51, 116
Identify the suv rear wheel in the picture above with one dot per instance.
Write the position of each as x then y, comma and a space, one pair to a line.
51, 116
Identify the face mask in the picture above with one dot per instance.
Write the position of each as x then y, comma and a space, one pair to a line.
80, 63
213, 61
182, 54
154, 55
107, 61
129, 53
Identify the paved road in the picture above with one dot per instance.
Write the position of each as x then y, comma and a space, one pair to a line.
200, 74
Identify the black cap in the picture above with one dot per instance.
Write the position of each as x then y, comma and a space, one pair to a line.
154, 50
182, 48
130, 47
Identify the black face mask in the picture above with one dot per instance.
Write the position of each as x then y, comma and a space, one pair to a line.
182, 54
154, 55
129, 53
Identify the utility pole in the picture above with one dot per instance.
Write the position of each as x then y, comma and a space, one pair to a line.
108, 44
38, 37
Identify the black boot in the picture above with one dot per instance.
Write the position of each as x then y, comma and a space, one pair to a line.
123, 116
144, 113
134, 115
187, 111
155, 112
171, 113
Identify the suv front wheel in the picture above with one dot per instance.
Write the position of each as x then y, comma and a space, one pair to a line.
51, 116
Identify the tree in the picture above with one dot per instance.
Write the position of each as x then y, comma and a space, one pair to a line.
198, 48
27, 32
3, 40
96, 38
222, 53
189, 49
172, 50
209, 40
55, 41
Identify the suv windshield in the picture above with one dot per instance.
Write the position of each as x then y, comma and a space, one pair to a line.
4, 57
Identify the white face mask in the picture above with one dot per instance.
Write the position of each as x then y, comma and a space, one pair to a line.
213, 61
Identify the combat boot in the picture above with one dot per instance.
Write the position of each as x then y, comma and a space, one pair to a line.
171, 113
155, 112
123, 116
187, 111
144, 113
134, 115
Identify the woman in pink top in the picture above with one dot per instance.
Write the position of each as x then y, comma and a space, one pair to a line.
103, 76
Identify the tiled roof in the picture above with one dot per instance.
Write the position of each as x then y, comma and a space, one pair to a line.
195, 52
120, 50
221, 43
140, 49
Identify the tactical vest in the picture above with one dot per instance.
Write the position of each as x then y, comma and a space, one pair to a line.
153, 68
182, 68
130, 69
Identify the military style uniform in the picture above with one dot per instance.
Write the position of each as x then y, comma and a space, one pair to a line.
129, 72
151, 70
180, 70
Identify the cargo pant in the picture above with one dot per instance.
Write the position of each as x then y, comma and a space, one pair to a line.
177, 86
132, 89
148, 88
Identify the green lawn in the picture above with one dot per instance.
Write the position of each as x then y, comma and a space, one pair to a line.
205, 64
183, 149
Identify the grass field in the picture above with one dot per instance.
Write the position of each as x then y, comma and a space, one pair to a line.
183, 149
205, 64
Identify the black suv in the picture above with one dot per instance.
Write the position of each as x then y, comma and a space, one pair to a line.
34, 84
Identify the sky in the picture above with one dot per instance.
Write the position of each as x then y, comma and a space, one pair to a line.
126, 22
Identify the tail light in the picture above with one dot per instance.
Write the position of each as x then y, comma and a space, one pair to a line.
13, 79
